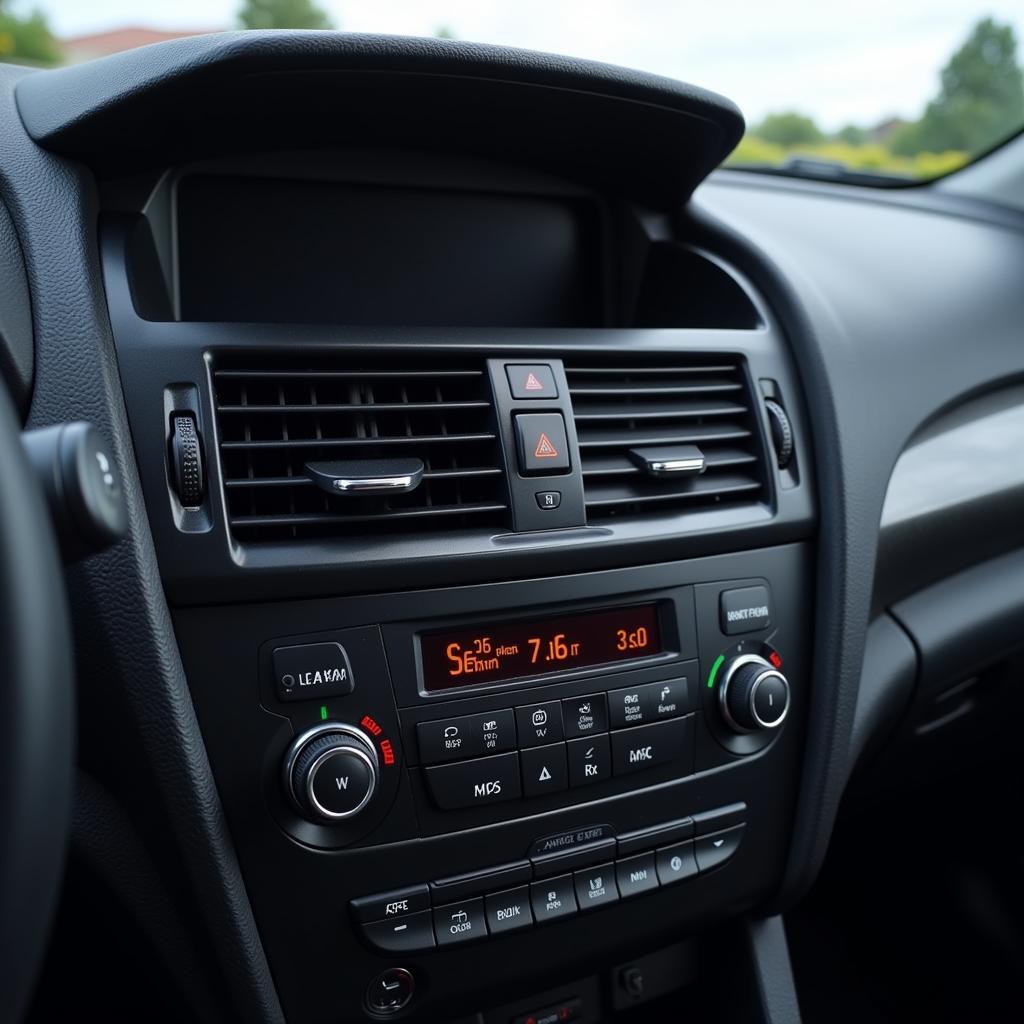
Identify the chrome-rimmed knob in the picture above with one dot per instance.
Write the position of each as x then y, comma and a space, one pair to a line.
331, 772
753, 694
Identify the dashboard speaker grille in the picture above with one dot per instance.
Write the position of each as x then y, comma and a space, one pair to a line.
275, 418
665, 403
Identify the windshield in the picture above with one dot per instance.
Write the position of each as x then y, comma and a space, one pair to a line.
893, 92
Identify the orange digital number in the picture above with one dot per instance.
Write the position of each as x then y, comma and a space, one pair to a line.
534, 642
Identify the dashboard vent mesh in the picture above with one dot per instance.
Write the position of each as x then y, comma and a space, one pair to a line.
274, 419
621, 406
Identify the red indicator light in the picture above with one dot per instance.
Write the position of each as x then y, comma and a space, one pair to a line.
387, 751
775, 659
370, 725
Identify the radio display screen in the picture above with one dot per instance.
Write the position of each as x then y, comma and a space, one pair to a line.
490, 654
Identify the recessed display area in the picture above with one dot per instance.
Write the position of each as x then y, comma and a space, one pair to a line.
304, 251
488, 654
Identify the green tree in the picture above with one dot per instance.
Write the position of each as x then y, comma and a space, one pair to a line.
283, 14
852, 135
26, 37
445, 32
980, 100
788, 129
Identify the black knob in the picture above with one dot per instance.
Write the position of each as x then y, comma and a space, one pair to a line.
782, 433
331, 772
187, 460
754, 695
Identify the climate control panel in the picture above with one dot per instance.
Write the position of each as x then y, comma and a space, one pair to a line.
463, 779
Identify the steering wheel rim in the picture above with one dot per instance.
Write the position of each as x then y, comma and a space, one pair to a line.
36, 723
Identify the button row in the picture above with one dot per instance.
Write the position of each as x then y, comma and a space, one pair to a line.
535, 725
556, 767
547, 899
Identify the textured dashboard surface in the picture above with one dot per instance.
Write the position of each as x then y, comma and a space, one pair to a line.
126, 654
895, 312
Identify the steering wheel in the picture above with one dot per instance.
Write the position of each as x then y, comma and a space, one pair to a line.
36, 720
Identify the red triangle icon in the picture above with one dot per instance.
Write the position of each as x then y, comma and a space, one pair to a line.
545, 449
532, 384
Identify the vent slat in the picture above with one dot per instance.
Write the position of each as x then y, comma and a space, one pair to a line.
276, 375
305, 481
353, 442
662, 403
435, 511
289, 409
645, 390
650, 371
363, 407
634, 410
627, 439
620, 466
701, 490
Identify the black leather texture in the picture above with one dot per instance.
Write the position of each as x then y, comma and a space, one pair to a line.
135, 707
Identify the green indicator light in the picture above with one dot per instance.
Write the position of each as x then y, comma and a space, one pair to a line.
714, 670
323, 712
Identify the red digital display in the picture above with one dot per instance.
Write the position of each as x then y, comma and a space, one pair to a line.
495, 653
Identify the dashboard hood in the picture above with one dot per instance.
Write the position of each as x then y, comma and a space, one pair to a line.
645, 137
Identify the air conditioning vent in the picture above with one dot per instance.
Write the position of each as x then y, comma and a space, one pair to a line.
274, 419
621, 408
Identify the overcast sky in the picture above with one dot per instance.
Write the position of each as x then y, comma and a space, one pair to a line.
858, 61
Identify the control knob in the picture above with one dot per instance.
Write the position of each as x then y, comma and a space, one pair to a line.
331, 772
754, 694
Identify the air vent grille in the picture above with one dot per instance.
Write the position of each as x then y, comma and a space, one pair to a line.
619, 407
274, 419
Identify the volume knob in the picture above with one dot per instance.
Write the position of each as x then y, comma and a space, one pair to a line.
331, 772
754, 695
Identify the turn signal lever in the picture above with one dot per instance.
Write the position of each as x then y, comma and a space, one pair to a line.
82, 486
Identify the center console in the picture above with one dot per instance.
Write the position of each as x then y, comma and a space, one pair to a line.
472, 776
482, 493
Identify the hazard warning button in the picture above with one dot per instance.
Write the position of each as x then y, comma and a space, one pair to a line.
543, 449
531, 381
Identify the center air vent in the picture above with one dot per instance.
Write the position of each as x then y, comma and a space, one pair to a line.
274, 420
694, 416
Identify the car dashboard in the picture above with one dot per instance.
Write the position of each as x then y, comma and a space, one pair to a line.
531, 531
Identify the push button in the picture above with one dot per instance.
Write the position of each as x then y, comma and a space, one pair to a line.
745, 610
470, 736
590, 760
405, 935
585, 715
628, 707
489, 780
508, 911
667, 699
647, 746
553, 898
544, 770
717, 848
312, 672
543, 447
636, 875
595, 887
459, 922
531, 380
549, 499
539, 723
674, 863
394, 904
